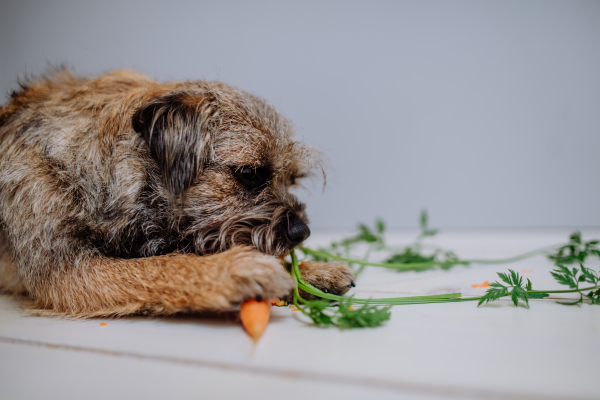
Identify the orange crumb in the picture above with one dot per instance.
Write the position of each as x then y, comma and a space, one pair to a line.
278, 303
526, 271
103, 324
484, 284
351, 308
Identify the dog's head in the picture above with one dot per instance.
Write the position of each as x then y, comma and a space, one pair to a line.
227, 161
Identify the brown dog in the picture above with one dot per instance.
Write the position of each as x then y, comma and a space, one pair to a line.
121, 195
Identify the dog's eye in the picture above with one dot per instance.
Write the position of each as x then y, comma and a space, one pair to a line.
252, 178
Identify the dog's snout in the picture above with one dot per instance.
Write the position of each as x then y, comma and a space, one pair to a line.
297, 231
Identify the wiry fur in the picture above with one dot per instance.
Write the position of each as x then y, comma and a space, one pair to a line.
118, 195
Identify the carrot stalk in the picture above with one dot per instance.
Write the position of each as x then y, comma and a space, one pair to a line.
255, 317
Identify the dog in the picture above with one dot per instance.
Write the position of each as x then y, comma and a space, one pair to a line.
122, 195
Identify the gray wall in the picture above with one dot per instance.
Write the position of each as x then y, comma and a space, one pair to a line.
485, 112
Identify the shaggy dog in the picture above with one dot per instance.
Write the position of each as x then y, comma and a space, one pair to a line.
123, 195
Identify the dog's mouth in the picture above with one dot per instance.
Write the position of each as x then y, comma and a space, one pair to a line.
276, 235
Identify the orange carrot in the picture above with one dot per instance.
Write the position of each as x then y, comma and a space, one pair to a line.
255, 317
103, 324
484, 284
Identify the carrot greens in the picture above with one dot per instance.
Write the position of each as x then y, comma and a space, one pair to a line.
576, 251
333, 310
563, 275
515, 288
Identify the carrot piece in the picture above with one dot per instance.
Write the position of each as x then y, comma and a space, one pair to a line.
484, 284
255, 317
103, 324
278, 303
526, 271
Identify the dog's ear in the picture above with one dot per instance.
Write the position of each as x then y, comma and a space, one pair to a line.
174, 129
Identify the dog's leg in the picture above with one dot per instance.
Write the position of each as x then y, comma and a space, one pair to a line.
332, 277
9, 279
166, 284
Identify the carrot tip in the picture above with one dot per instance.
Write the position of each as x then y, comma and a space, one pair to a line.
255, 317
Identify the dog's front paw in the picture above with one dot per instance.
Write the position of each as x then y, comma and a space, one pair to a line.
257, 275
331, 277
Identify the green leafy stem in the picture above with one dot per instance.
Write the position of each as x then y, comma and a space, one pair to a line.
518, 290
370, 316
413, 257
308, 288
428, 264
373, 312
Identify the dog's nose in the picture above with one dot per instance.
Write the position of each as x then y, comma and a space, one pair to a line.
297, 231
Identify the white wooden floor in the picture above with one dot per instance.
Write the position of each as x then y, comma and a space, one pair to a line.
437, 351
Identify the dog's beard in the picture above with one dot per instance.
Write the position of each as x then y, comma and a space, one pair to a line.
261, 227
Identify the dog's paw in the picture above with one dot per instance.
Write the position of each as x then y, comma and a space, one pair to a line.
331, 277
257, 275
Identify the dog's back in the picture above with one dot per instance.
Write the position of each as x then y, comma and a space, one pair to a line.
67, 131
